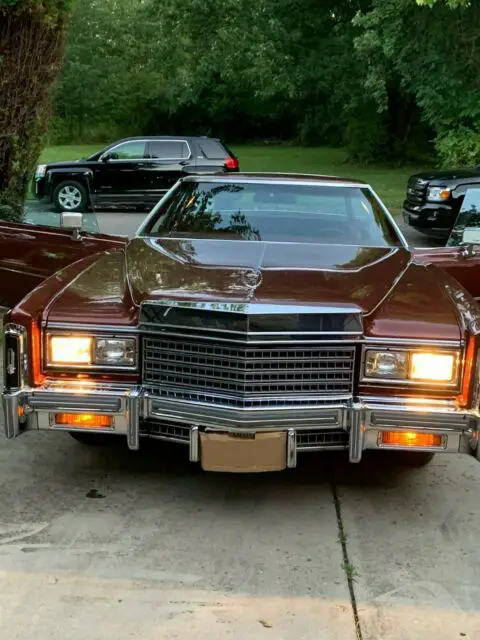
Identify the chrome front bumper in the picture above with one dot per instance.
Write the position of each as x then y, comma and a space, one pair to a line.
133, 410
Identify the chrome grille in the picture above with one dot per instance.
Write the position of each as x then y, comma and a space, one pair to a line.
229, 373
311, 440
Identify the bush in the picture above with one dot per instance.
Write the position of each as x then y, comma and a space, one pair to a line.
459, 148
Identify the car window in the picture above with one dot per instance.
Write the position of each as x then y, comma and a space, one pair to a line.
168, 150
276, 212
133, 150
212, 150
466, 229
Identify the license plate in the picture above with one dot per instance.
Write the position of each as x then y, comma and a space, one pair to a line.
243, 453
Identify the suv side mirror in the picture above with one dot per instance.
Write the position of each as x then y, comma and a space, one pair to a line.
73, 221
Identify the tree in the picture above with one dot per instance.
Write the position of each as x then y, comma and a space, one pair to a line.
32, 34
428, 58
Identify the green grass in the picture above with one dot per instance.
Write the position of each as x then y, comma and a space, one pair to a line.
388, 182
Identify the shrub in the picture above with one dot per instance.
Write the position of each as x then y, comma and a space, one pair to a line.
460, 148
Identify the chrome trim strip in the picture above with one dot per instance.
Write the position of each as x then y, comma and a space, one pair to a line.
20, 334
357, 433
291, 449
10, 407
194, 444
252, 308
145, 159
271, 179
251, 333
133, 420
96, 328
252, 341
413, 342
151, 216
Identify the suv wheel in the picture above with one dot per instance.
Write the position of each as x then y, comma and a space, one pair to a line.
70, 196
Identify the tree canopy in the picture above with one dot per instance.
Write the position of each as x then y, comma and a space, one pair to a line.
384, 77
389, 79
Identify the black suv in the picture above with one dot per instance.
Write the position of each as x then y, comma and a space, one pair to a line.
434, 199
131, 172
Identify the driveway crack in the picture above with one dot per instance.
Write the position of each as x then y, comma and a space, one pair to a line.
348, 567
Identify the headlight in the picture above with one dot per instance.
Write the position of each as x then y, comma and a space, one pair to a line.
414, 366
91, 351
437, 367
70, 350
41, 171
438, 194
386, 364
115, 351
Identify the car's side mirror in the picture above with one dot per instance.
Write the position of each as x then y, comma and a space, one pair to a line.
73, 221
110, 156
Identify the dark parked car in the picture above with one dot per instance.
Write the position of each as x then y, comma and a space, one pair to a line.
434, 199
131, 172
252, 318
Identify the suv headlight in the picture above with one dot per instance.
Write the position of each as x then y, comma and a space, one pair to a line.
412, 366
88, 351
438, 194
41, 170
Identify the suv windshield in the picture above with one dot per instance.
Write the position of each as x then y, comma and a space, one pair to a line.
274, 212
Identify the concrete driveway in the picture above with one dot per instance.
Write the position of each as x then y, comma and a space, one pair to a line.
103, 543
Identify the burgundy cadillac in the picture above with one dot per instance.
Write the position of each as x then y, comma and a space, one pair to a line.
252, 318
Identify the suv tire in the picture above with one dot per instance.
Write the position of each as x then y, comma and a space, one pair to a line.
71, 197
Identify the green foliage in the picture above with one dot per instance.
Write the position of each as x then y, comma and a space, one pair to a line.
31, 41
460, 148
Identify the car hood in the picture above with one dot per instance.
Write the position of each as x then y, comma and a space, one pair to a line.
259, 272
64, 163
396, 297
452, 175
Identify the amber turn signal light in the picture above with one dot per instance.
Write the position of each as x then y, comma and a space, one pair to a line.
410, 439
84, 420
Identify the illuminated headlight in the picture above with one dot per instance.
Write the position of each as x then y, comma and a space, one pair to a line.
41, 170
412, 366
438, 194
438, 367
88, 351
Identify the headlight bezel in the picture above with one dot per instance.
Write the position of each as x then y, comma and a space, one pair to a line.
94, 364
434, 194
453, 384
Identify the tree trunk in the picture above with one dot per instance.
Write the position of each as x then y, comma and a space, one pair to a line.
32, 36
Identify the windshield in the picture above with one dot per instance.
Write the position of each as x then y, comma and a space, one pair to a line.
274, 212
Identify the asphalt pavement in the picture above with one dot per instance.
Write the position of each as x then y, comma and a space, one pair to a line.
104, 543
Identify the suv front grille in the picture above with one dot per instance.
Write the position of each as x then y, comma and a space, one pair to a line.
237, 375
417, 190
